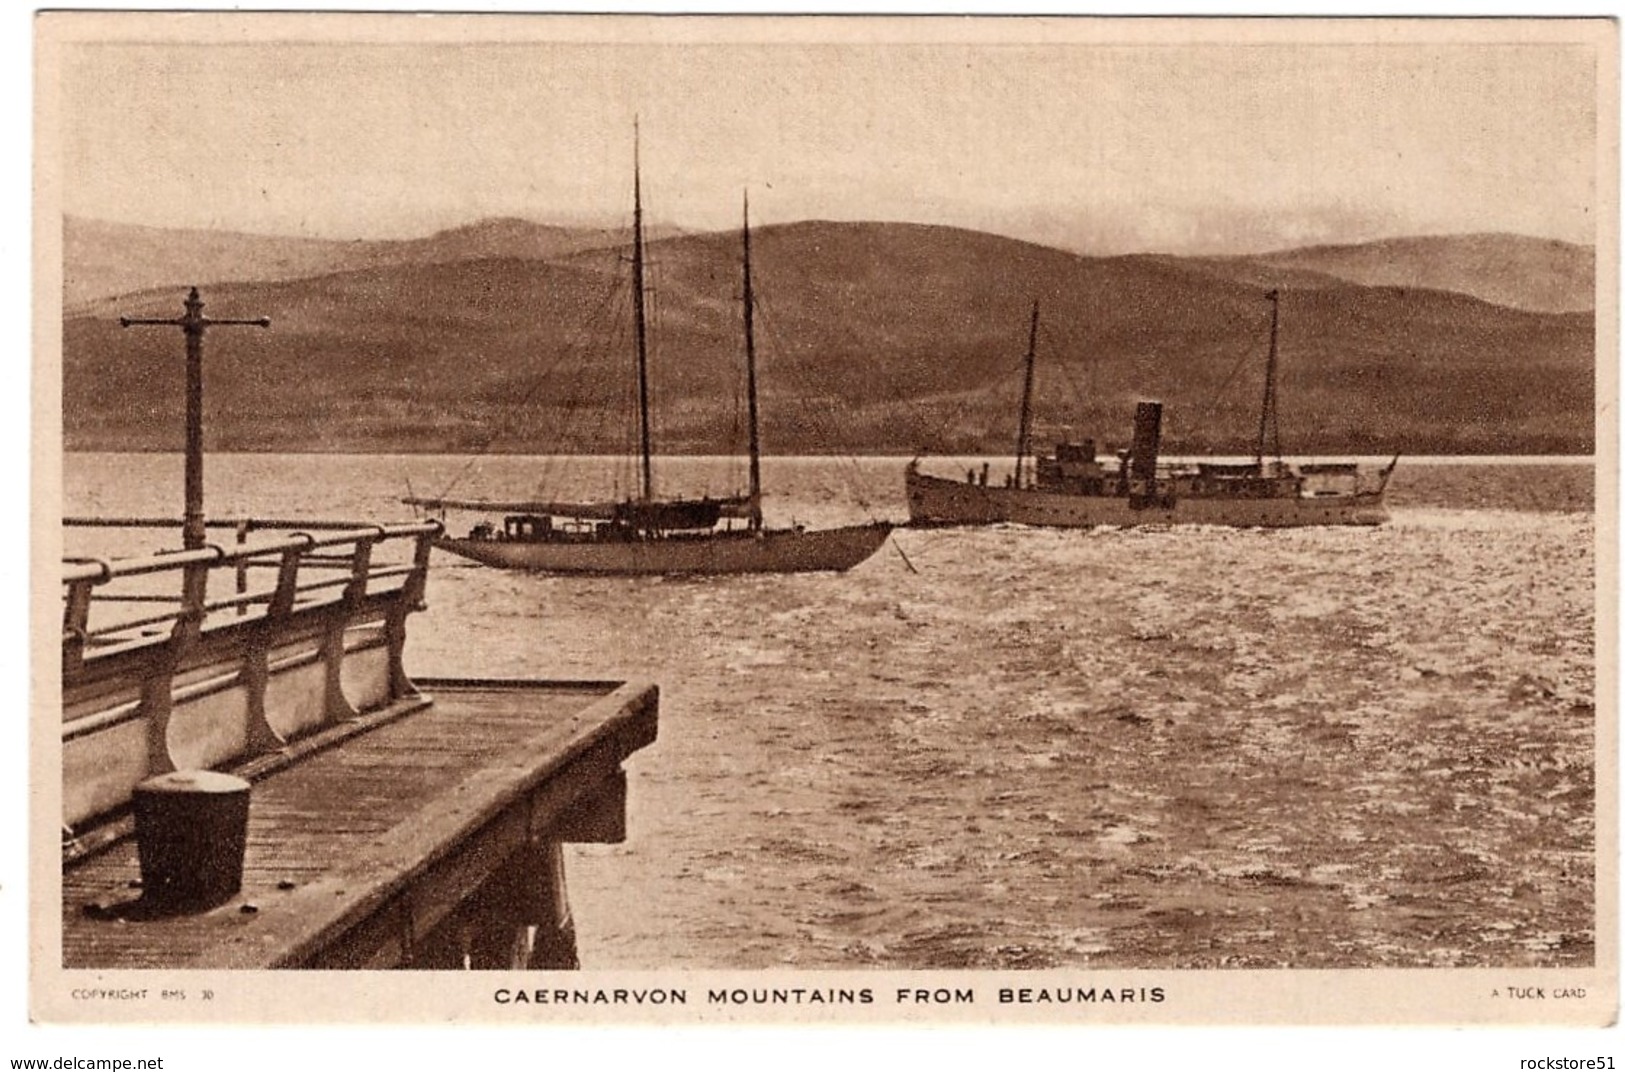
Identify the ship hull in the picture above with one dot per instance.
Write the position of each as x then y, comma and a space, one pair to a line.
938, 501
773, 551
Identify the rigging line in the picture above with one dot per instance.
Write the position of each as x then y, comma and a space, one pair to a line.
1275, 386
611, 432
737, 474
1079, 395
626, 446
901, 554
598, 324
998, 389
854, 474
992, 390
847, 466
620, 416
593, 325
562, 408
507, 422
610, 328
945, 415
629, 473
735, 430
573, 346
1199, 426
653, 272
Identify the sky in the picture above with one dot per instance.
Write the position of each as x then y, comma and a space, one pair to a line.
1113, 137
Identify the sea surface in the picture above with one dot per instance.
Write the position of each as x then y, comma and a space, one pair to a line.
1014, 748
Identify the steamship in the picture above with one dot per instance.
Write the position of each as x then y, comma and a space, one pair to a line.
1074, 488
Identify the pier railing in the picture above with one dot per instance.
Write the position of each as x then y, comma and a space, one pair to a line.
162, 670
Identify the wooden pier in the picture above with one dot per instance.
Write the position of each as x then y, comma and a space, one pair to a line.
392, 823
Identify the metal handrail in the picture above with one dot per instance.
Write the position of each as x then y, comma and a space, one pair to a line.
214, 554
380, 573
83, 577
245, 523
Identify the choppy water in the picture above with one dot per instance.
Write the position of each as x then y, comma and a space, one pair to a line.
1034, 748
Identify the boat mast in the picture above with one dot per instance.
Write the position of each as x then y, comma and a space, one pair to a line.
638, 318
1266, 419
1024, 434
750, 383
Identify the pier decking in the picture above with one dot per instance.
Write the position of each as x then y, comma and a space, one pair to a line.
392, 823
428, 840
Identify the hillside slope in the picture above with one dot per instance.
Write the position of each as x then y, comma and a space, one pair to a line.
874, 337
104, 260
1537, 275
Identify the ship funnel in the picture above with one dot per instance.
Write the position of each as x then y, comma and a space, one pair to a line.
1147, 440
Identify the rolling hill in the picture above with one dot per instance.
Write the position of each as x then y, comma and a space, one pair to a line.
1534, 274
104, 260
877, 337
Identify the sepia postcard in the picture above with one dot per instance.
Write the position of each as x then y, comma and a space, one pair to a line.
629, 519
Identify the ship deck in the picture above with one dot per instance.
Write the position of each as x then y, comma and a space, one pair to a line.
365, 847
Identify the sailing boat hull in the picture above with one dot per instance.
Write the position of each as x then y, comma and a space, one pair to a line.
771, 551
655, 536
936, 500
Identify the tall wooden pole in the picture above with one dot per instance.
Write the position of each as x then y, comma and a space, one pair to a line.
1266, 418
750, 384
638, 315
193, 324
1024, 434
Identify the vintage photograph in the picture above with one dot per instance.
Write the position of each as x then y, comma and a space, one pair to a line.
689, 519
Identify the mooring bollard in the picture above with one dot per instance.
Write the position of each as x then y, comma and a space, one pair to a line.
191, 831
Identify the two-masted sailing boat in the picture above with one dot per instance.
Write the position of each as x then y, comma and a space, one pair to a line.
651, 535
1073, 488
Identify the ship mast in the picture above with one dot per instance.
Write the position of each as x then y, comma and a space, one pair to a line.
638, 319
1024, 434
750, 383
1267, 423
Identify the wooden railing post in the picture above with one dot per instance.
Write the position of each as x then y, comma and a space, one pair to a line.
157, 703
411, 599
243, 529
417, 581
256, 672
360, 568
336, 707
194, 594
314, 622
76, 623
157, 690
287, 582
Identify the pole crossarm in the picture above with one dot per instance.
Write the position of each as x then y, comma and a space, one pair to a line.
182, 322
193, 323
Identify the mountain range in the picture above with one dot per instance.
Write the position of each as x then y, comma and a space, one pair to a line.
875, 337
